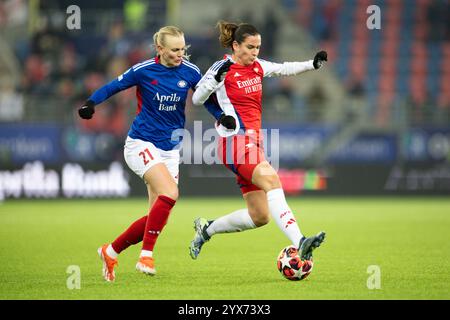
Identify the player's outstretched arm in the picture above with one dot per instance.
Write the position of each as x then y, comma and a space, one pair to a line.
88, 109
124, 81
272, 69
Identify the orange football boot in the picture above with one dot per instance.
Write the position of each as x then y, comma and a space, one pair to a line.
108, 264
146, 265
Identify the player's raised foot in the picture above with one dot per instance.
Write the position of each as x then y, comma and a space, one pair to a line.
108, 264
200, 237
146, 265
307, 245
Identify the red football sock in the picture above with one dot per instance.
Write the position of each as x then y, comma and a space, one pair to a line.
132, 235
157, 219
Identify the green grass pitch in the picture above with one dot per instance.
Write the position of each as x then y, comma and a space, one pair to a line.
408, 239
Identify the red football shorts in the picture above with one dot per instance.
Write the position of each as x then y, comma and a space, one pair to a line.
241, 154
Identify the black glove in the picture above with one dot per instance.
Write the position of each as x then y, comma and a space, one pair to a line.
223, 70
227, 121
87, 110
320, 57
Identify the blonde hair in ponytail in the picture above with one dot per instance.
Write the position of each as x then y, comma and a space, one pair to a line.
159, 38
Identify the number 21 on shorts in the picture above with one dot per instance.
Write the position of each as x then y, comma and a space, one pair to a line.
144, 155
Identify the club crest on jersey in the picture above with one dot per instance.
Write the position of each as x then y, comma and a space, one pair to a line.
182, 84
256, 69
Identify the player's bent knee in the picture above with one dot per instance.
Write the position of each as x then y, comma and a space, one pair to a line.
260, 219
171, 193
271, 182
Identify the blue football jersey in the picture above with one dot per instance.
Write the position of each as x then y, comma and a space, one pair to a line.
161, 96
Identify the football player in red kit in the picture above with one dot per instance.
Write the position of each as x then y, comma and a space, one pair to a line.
236, 82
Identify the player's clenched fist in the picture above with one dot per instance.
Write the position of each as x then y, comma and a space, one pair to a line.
227, 121
87, 110
220, 75
319, 58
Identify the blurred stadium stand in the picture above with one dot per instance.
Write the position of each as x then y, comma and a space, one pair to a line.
386, 81
401, 68
399, 71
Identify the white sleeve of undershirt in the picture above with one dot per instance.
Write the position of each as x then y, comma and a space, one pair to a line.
205, 87
272, 69
208, 84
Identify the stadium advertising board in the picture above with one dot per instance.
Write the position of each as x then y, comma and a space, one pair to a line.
427, 145
300, 144
69, 180
40, 161
367, 148
20, 143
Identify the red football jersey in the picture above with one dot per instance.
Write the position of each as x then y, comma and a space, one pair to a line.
243, 86
240, 93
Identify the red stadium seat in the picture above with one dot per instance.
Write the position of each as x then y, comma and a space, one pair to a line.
384, 108
423, 3
421, 33
392, 17
387, 84
419, 66
360, 34
359, 48
389, 49
388, 66
330, 48
358, 65
446, 49
444, 85
418, 49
